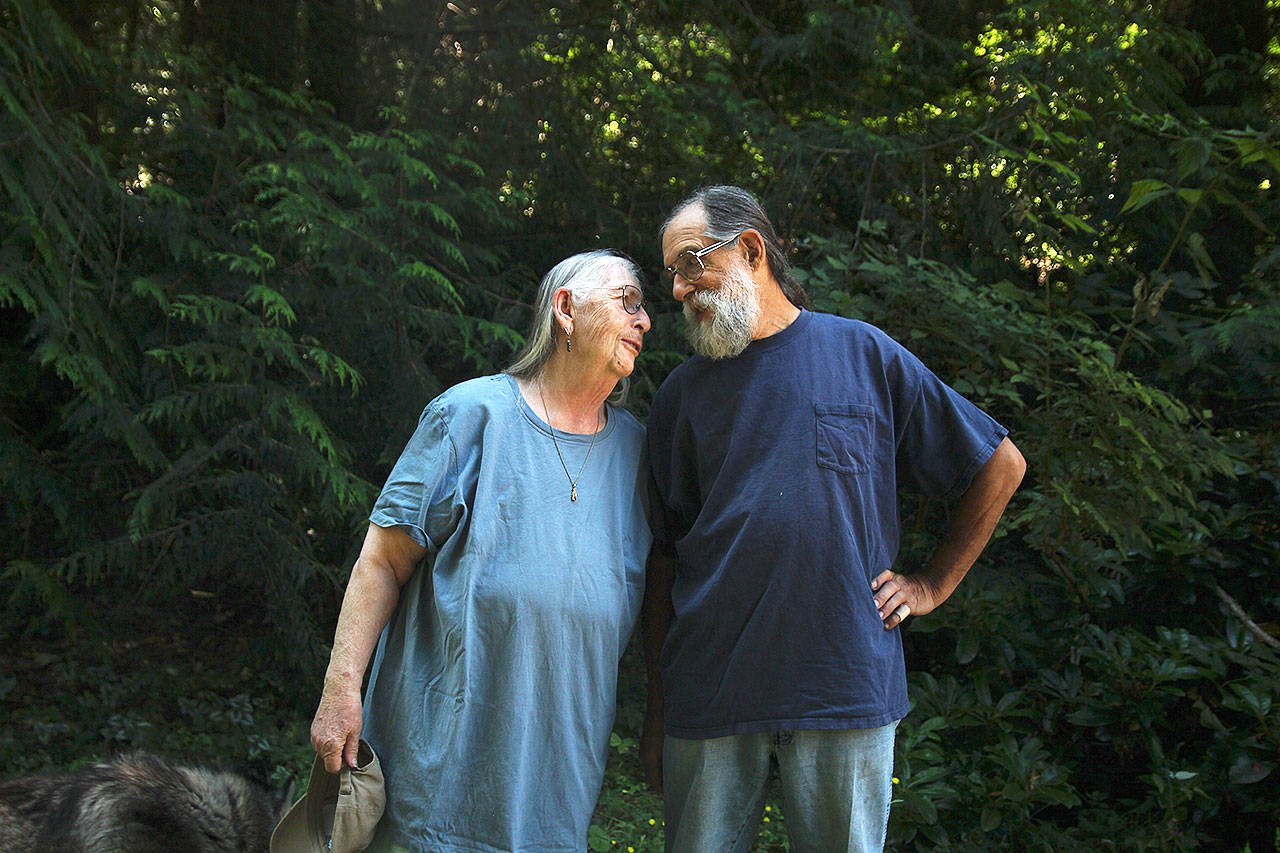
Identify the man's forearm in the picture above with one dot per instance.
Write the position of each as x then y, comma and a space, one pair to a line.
656, 614
974, 519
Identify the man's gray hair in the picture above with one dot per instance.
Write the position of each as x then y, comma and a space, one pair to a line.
731, 210
580, 275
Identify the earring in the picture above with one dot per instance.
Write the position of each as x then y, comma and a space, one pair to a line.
568, 343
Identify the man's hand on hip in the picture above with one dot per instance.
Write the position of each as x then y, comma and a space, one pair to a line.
899, 596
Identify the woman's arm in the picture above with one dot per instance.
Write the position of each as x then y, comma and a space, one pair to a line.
386, 561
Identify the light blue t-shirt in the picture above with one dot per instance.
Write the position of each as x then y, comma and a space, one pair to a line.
492, 691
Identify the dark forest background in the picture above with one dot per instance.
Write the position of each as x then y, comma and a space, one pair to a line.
243, 243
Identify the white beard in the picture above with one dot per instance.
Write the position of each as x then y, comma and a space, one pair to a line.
734, 308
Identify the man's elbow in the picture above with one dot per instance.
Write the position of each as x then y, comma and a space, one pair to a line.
1010, 466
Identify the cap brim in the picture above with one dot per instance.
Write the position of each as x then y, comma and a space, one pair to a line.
302, 829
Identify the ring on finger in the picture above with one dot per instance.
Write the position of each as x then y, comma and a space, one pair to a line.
903, 611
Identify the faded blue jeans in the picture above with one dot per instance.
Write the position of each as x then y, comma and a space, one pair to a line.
836, 787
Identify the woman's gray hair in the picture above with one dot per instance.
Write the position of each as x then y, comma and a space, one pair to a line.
731, 210
579, 274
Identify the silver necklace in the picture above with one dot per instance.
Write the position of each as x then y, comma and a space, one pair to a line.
573, 481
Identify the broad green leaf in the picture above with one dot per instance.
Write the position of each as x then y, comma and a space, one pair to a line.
1192, 155
1144, 192
967, 646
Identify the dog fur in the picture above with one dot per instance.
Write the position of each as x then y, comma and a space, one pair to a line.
138, 803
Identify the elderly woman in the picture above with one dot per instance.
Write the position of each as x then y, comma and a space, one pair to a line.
492, 692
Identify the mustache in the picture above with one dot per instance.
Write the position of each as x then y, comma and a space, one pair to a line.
703, 300
694, 301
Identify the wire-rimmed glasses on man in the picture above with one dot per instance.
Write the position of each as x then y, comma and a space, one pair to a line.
689, 265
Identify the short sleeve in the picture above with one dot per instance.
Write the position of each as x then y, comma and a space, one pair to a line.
945, 438
419, 493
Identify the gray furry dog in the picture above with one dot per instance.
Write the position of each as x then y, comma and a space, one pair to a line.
138, 804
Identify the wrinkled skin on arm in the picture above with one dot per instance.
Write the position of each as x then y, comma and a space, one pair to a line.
387, 560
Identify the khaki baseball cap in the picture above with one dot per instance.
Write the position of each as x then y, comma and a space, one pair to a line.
339, 812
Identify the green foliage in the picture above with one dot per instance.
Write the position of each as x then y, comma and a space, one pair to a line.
199, 432
224, 301
69, 711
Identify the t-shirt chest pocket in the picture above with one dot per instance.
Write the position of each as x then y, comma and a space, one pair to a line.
846, 432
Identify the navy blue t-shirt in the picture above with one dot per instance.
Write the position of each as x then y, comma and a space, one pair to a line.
775, 478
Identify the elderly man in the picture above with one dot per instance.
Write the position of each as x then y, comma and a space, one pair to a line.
771, 608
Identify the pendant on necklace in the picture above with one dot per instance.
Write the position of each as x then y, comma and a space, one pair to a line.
573, 493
